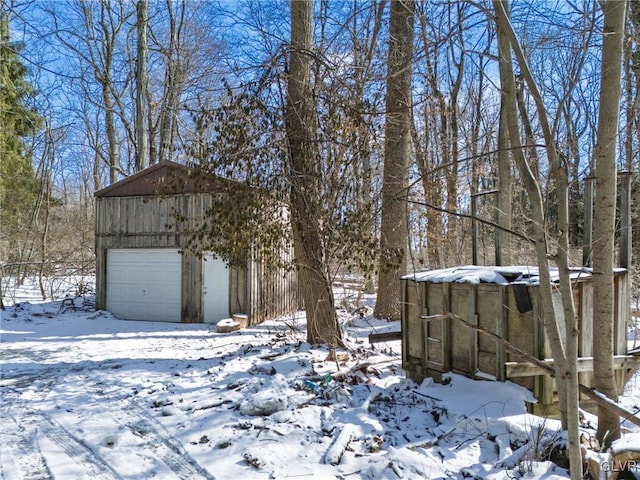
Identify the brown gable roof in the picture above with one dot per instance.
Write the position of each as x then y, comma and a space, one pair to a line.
164, 178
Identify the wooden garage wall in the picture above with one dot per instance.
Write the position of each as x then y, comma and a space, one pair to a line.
148, 222
272, 293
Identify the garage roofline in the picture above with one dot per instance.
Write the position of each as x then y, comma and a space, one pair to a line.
165, 178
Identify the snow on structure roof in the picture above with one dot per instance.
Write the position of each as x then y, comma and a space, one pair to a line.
502, 275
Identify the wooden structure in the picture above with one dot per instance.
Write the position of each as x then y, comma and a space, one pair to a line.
504, 301
143, 270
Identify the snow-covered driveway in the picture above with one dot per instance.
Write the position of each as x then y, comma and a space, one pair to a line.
85, 395
70, 403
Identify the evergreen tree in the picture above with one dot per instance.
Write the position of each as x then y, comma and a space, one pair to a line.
18, 121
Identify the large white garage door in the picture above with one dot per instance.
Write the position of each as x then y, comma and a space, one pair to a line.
215, 289
144, 284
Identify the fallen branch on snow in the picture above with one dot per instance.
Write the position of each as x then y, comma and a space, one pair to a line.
429, 442
339, 445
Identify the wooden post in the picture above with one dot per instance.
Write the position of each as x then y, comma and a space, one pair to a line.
446, 327
101, 278
192, 308
498, 234
587, 231
473, 318
501, 331
625, 219
624, 284
1, 279
474, 229
404, 321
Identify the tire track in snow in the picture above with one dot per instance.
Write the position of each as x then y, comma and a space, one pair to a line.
18, 437
161, 443
22, 424
81, 454
157, 440
21, 391
20, 445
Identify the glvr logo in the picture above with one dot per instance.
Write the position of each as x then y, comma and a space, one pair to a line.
621, 466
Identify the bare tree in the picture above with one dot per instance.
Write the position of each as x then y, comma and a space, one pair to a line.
445, 124
94, 43
604, 215
142, 81
393, 228
174, 79
632, 127
564, 349
505, 199
364, 48
304, 166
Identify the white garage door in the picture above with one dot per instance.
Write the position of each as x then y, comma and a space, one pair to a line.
144, 284
215, 289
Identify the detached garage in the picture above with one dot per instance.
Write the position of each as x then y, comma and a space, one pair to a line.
144, 271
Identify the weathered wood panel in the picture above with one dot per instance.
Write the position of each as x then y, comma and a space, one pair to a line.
412, 348
150, 222
138, 222
253, 284
584, 307
101, 278
131, 211
446, 346
237, 291
621, 313
462, 299
622, 310
192, 302
523, 331
436, 301
272, 292
585, 364
584, 310
490, 316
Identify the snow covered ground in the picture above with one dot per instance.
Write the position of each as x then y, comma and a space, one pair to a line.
88, 396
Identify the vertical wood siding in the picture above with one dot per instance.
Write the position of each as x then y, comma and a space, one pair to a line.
433, 347
148, 222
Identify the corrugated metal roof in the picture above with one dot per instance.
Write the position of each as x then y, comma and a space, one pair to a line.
164, 178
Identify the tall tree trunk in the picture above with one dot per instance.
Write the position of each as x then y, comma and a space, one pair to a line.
475, 148
564, 353
503, 243
454, 130
604, 215
110, 127
393, 228
633, 119
362, 123
173, 83
304, 165
44, 201
105, 80
530, 154
142, 130
97, 177
532, 187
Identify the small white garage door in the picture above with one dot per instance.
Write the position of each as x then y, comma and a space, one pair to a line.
215, 289
144, 284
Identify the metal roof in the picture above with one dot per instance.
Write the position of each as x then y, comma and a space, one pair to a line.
164, 178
